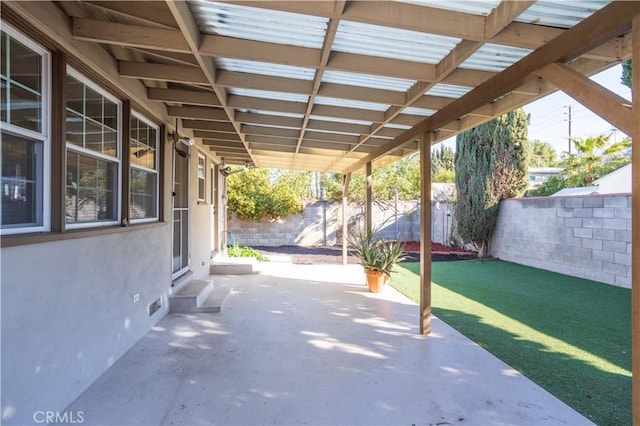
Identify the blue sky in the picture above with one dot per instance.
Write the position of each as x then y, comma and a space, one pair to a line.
549, 115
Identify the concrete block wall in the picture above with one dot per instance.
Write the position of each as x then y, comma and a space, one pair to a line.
317, 225
321, 224
583, 236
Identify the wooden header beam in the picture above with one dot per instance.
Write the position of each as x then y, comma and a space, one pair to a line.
608, 105
635, 226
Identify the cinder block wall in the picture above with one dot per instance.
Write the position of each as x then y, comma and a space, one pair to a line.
321, 224
586, 236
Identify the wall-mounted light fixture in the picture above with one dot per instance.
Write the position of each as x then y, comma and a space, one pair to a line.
226, 171
183, 139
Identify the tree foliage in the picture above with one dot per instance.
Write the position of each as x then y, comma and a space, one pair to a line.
443, 164
542, 154
491, 164
261, 193
626, 73
594, 158
398, 179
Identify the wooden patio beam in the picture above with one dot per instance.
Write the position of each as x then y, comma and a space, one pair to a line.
368, 209
346, 179
635, 226
217, 136
190, 97
161, 72
268, 120
208, 126
605, 24
200, 113
606, 104
129, 35
191, 33
503, 15
425, 233
432, 20
327, 44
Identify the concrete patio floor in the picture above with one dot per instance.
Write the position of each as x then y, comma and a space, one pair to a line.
307, 344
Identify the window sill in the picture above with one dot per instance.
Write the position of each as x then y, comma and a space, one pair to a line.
37, 238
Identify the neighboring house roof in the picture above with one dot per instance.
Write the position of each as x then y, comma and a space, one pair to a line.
616, 182
582, 190
621, 172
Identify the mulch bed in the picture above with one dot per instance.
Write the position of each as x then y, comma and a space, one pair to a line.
333, 254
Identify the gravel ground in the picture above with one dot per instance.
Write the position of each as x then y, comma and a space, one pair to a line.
333, 255
317, 255
309, 255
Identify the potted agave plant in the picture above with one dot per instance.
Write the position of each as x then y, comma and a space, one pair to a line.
378, 257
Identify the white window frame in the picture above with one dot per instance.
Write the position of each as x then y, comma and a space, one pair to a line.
156, 170
202, 179
90, 153
44, 136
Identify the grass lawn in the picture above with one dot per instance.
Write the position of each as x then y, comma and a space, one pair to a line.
569, 335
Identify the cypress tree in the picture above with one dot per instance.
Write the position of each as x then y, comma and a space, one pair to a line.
491, 164
626, 73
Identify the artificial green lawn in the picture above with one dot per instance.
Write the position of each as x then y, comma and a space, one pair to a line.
571, 336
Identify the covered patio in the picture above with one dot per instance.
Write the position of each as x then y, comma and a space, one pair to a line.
290, 350
330, 86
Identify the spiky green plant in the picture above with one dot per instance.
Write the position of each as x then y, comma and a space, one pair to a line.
375, 254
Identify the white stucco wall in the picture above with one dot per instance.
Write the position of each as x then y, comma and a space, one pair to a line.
68, 313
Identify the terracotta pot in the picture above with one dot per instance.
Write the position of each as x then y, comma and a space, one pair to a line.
376, 280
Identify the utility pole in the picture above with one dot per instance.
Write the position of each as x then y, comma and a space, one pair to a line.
569, 120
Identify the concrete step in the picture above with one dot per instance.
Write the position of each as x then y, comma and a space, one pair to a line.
213, 303
190, 297
233, 266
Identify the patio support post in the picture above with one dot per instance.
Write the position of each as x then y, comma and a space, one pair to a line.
368, 209
345, 217
635, 225
425, 233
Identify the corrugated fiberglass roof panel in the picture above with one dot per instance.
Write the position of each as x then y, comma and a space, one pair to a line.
263, 94
560, 14
321, 100
340, 120
492, 57
397, 126
363, 39
250, 23
418, 111
265, 68
448, 90
367, 80
475, 7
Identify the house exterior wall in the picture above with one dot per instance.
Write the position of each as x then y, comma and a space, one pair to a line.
582, 236
202, 220
67, 299
68, 313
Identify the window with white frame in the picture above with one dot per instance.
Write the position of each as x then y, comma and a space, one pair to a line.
93, 154
24, 138
143, 177
202, 178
